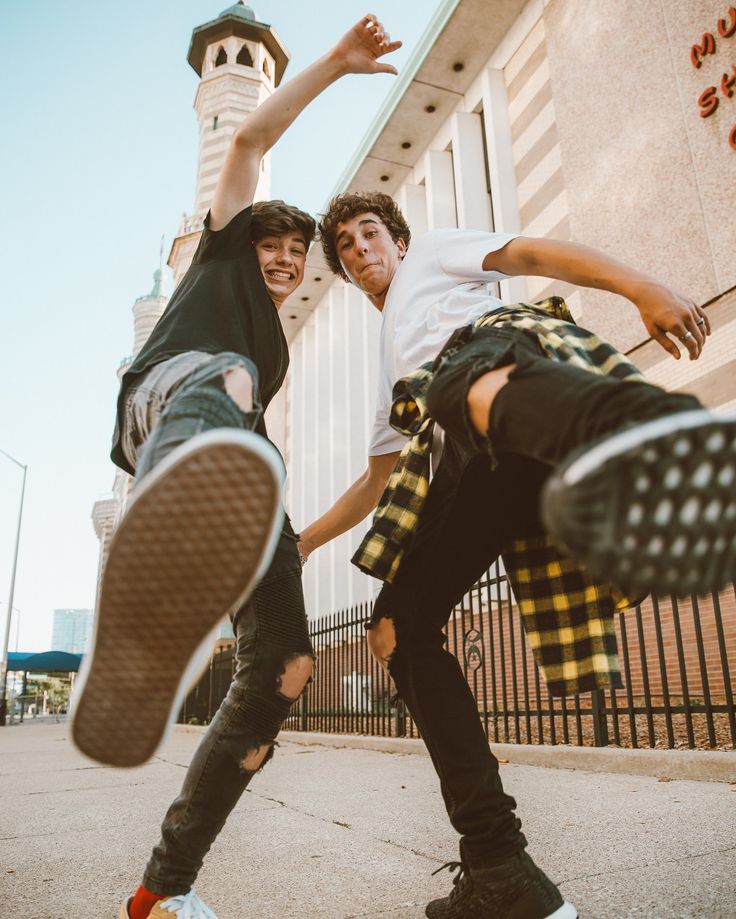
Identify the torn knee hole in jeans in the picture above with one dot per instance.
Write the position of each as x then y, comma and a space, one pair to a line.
294, 677
257, 757
239, 386
382, 640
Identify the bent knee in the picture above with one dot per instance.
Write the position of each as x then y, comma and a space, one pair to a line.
482, 393
296, 674
381, 639
239, 386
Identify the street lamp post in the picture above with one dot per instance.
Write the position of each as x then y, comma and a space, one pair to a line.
17, 625
6, 641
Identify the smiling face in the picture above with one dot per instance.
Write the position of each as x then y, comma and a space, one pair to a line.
282, 260
369, 255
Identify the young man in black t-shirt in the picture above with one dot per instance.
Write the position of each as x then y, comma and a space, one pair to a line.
204, 524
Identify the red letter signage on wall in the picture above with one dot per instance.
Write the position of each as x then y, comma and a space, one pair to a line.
707, 46
728, 81
708, 99
727, 29
708, 102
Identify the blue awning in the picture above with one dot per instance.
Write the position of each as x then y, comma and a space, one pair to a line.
44, 661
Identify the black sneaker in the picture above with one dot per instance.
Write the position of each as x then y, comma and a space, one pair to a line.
513, 889
652, 507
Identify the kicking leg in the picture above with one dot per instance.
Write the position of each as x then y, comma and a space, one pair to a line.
274, 663
644, 489
197, 534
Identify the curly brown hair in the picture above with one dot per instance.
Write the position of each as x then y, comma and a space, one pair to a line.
275, 218
348, 205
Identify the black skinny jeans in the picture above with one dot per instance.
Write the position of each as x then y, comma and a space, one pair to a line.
270, 629
170, 405
485, 494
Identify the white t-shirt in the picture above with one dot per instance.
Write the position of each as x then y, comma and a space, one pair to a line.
439, 287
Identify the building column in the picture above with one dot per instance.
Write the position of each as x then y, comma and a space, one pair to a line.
412, 200
440, 185
471, 191
504, 199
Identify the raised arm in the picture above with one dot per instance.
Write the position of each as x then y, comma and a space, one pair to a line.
352, 507
358, 51
663, 310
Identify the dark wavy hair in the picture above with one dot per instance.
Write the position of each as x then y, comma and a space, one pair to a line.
345, 207
275, 218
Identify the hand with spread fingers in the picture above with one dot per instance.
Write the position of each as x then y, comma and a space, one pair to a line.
671, 318
360, 48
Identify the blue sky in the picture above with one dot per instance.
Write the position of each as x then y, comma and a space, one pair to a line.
98, 161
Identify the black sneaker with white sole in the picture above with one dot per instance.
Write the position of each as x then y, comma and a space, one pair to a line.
514, 889
652, 507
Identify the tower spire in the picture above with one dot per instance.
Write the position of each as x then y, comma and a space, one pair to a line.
159, 281
239, 62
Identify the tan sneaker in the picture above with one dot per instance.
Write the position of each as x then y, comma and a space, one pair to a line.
198, 534
184, 906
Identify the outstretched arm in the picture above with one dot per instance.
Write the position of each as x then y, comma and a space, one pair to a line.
664, 311
358, 51
352, 507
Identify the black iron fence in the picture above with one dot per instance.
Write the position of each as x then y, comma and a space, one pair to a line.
678, 659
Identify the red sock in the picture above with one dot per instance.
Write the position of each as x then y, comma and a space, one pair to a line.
142, 903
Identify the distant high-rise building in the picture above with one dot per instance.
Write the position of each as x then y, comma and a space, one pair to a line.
72, 630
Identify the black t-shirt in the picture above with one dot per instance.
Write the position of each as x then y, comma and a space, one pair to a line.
221, 304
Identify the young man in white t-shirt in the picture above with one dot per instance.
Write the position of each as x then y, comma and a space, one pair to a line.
512, 418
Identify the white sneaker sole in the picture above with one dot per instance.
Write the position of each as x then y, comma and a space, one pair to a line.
198, 534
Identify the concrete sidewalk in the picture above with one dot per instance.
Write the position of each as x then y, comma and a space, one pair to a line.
344, 832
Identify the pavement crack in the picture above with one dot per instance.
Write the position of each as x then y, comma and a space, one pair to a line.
169, 762
410, 904
4, 775
297, 810
666, 861
64, 833
65, 791
347, 826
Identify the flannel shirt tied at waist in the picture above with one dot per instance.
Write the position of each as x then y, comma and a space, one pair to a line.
568, 617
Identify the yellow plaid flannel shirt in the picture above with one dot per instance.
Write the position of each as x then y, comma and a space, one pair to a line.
568, 617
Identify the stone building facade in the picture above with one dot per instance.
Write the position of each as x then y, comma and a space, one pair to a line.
610, 124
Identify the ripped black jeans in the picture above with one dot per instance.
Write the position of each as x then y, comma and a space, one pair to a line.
271, 631
172, 402
486, 493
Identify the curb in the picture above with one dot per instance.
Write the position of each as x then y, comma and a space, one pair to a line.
692, 765
688, 765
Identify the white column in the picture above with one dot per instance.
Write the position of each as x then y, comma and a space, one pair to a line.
310, 462
440, 184
471, 193
506, 217
275, 417
412, 200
